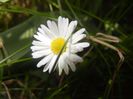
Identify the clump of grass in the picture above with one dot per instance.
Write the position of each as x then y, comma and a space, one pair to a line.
107, 68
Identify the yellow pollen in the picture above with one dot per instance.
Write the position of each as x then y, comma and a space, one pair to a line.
57, 44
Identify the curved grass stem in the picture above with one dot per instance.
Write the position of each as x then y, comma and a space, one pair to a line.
7, 91
104, 40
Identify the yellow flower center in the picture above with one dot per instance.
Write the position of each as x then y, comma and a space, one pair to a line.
57, 44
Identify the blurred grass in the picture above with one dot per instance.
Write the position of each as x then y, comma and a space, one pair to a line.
93, 79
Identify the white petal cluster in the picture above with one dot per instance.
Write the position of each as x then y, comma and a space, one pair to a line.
41, 46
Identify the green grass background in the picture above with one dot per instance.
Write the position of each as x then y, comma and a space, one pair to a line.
98, 77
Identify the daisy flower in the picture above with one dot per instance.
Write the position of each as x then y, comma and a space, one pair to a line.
57, 36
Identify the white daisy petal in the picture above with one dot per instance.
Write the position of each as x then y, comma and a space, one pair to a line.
45, 60
53, 27
38, 54
60, 26
41, 31
78, 38
39, 43
61, 63
65, 27
46, 67
82, 45
75, 48
71, 28
72, 65
66, 69
41, 38
51, 64
79, 32
44, 36
60, 69
44, 31
47, 31
75, 58
39, 48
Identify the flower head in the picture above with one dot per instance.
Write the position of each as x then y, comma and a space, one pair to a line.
51, 39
